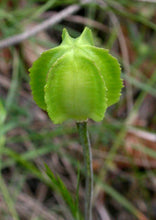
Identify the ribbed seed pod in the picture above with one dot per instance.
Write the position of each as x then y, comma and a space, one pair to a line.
75, 80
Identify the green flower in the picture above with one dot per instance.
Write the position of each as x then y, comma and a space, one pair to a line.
75, 80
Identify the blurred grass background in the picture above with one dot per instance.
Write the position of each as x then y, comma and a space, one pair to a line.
123, 144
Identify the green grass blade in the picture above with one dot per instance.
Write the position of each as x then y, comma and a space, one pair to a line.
60, 187
146, 150
122, 200
77, 192
8, 199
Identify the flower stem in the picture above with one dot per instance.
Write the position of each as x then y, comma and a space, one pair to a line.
85, 141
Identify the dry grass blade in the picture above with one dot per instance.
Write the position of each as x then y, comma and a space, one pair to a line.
40, 27
25, 205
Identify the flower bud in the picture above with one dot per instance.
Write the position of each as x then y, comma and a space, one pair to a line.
75, 80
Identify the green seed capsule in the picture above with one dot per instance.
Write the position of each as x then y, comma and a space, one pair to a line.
75, 80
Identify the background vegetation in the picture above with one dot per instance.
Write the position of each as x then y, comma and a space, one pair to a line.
123, 144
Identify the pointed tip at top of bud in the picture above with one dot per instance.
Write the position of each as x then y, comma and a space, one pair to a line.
64, 33
66, 39
85, 38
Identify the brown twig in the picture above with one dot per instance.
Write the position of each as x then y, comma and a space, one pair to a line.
149, 1
44, 25
81, 20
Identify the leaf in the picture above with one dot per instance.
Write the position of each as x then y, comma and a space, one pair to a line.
39, 71
75, 89
60, 187
109, 69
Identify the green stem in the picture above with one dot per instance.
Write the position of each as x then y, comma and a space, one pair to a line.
85, 141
